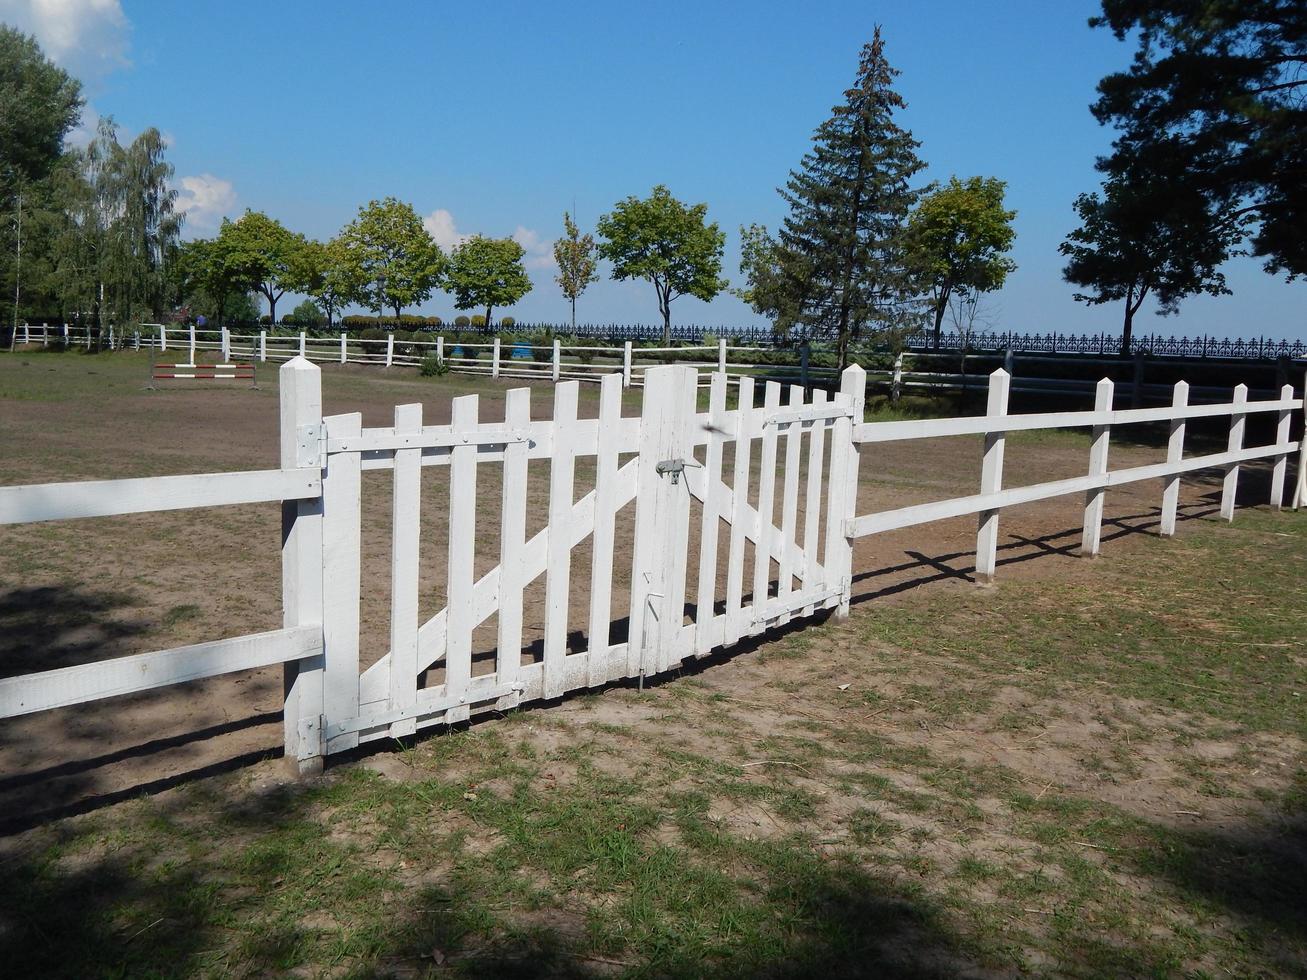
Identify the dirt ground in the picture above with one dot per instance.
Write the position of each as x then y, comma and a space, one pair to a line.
78, 591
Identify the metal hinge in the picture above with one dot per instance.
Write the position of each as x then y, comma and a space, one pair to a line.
675, 467
310, 445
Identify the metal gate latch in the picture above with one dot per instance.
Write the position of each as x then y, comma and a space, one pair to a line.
675, 467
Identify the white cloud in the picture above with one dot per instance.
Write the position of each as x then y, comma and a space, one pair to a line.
440, 226
206, 200
539, 253
87, 37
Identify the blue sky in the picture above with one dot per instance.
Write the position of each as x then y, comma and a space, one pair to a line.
494, 118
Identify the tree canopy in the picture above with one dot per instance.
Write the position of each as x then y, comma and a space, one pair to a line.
957, 239
329, 276
577, 258
39, 105
661, 240
393, 256
1138, 239
260, 253
487, 272
1221, 83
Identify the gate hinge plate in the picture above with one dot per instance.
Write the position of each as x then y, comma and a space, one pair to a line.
310, 445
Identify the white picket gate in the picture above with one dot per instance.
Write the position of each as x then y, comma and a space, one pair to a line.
679, 454
666, 462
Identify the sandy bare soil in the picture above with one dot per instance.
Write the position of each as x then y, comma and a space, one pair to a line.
79, 591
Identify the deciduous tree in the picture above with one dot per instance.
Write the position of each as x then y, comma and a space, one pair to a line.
577, 258
260, 253
487, 272
957, 239
667, 243
393, 256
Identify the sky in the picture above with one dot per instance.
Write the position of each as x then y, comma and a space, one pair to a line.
495, 118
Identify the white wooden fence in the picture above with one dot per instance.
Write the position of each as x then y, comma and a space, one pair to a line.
796, 541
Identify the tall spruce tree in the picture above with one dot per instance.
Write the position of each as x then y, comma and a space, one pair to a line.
841, 251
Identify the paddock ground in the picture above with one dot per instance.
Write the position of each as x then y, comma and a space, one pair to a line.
1093, 768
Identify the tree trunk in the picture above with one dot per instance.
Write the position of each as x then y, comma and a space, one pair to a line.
488, 310
397, 309
939, 319
666, 308
573, 316
1128, 326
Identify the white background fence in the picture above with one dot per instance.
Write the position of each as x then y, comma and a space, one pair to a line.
787, 551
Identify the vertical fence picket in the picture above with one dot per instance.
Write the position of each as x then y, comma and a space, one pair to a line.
341, 525
706, 635
991, 479
462, 550
790, 504
739, 508
676, 539
812, 501
1230, 484
406, 504
300, 390
512, 538
1174, 454
842, 493
764, 546
1092, 533
605, 511
558, 577
1280, 469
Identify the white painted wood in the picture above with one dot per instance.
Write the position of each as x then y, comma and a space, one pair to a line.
494, 359
190, 360
764, 549
559, 571
812, 502
440, 348
106, 498
1230, 484
390, 350
341, 575
1280, 469
1092, 533
853, 388
406, 526
735, 625
605, 510
1174, 455
462, 552
344, 355
626, 364
721, 354
991, 480
300, 392
263, 345
676, 639
226, 344
706, 599
303, 344
557, 366
512, 537
145, 671
793, 435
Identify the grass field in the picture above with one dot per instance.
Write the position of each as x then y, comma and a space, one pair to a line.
1091, 769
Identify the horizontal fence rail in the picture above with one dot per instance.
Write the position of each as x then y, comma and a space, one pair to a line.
769, 486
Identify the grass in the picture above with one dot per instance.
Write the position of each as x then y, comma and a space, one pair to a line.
816, 833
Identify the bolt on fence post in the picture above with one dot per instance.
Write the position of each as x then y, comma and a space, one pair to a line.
301, 570
1174, 454
1281, 467
991, 479
626, 364
1230, 485
1091, 535
494, 359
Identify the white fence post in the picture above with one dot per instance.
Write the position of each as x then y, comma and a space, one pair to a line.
557, 359
1174, 454
27, 334
991, 479
661, 520
226, 345
1281, 468
626, 364
406, 512
303, 344
896, 380
390, 349
1230, 485
45, 335
192, 335
1092, 535
843, 494
263, 345
344, 355
66, 340
721, 353
163, 336
341, 574
440, 348
494, 359
302, 564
